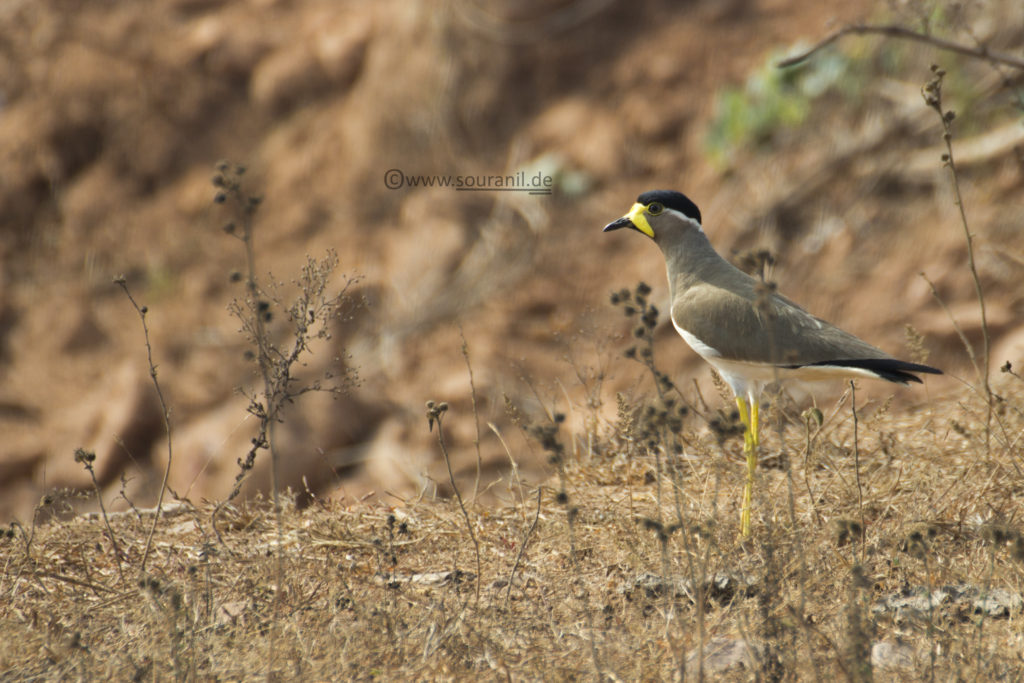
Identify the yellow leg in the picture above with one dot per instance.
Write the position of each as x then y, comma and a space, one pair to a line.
750, 444
754, 409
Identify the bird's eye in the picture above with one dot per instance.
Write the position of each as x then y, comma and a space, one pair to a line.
654, 208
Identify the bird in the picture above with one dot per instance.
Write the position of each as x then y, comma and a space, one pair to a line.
752, 335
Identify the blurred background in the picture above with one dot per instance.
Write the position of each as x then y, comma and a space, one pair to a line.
113, 116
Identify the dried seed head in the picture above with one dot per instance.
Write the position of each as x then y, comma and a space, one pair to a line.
1017, 549
813, 415
846, 531
84, 456
651, 524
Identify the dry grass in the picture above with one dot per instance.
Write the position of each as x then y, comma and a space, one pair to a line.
374, 592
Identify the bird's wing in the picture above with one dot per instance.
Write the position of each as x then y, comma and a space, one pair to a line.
741, 324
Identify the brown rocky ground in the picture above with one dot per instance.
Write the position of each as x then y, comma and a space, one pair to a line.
113, 115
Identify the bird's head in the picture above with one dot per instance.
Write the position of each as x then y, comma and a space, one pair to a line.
658, 211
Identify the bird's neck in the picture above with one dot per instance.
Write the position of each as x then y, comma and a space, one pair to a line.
689, 259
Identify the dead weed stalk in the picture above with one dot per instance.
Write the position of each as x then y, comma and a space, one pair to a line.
164, 411
435, 413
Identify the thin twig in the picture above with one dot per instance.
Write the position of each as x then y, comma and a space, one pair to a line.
522, 547
893, 31
86, 458
476, 413
956, 325
435, 411
802, 573
811, 415
571, 513
515, 466
856, 470
273, 398
547, 435
662, 423
142, 310
932, 93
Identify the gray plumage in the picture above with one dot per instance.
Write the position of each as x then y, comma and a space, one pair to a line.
720, 305
729, 316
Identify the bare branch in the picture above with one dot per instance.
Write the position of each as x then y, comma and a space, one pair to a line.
980, 52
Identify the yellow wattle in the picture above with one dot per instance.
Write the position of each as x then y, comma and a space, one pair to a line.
636, 217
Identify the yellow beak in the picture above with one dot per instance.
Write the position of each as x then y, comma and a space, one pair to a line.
635, 219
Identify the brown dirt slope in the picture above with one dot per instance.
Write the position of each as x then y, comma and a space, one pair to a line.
113, 115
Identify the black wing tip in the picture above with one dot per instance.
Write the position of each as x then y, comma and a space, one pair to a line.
898, 371
899, 377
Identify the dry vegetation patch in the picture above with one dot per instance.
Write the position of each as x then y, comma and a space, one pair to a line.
932, 587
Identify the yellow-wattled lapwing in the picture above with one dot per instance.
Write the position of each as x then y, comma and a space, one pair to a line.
750, 334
